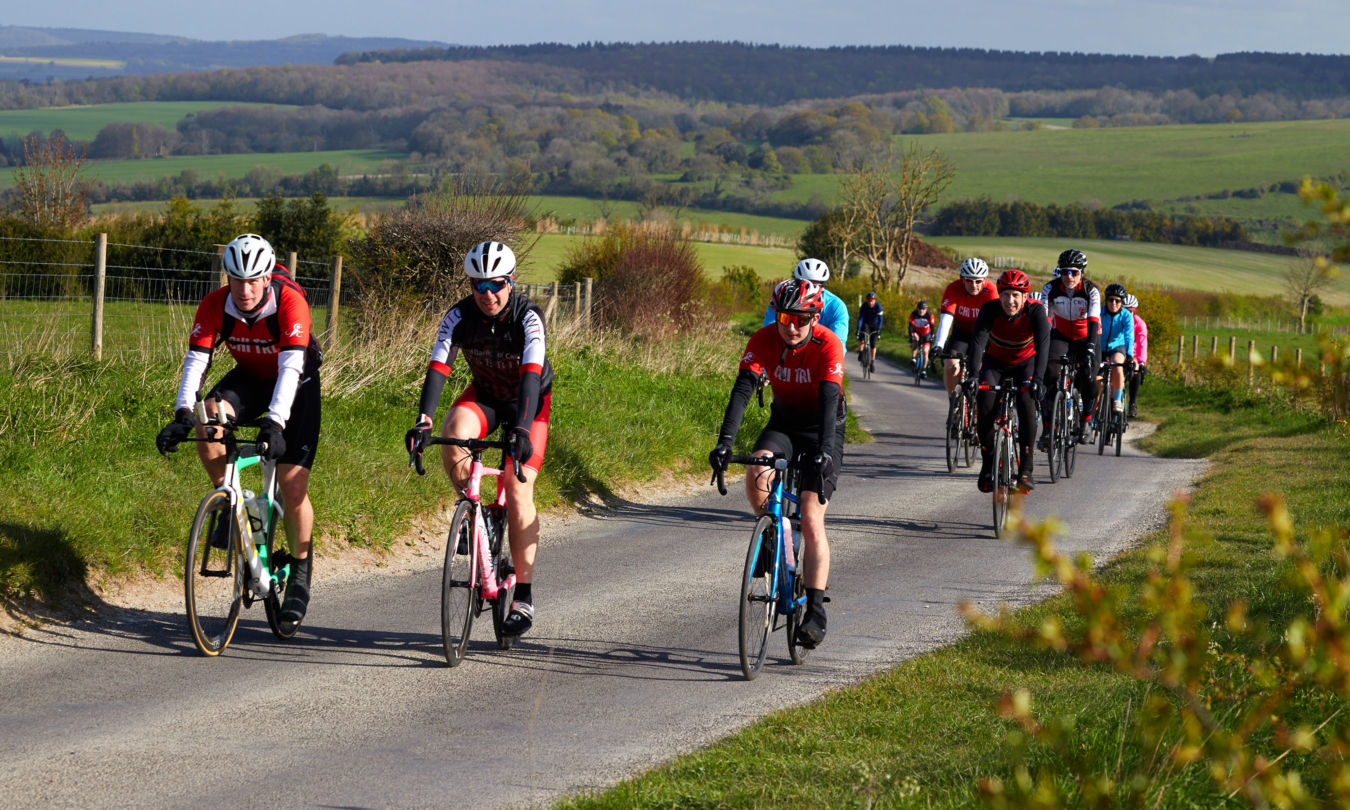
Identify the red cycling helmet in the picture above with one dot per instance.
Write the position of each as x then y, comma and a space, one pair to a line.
798, 295
1014, 280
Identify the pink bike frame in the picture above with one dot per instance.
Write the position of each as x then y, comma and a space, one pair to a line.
487, 583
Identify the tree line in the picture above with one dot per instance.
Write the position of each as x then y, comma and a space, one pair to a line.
984, 217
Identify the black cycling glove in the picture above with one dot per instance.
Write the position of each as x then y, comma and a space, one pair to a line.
270, 433
176, 431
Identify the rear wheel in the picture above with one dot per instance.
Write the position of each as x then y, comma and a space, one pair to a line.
757, 607
968, 437
280, 568
502, 606
796, 651
213, 578
459, 585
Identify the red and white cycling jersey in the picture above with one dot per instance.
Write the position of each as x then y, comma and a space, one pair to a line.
964, 307
795, 375
1072, 311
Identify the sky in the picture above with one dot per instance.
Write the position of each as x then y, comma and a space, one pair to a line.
1143, 27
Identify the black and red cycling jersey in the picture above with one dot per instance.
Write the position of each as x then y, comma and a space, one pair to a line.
921, 326
272, 343
1011, 341
505, 353
1074, 314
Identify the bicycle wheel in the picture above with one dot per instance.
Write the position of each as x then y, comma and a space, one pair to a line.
213, 578
968, 437
867, 370
280, 571
955, 428
459, 585
796, 652
757, 608
1059, 421
502, 606
1073, 423
1119, 431
1002, 479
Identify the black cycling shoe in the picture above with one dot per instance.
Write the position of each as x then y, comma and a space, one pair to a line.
1025, 483
812, 629
985, 482
1134, 412
296, 603
1043, 443
519, 620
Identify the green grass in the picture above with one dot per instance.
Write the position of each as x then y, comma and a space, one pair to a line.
82, 123
924, 733
347, 161
585, 210
770, 262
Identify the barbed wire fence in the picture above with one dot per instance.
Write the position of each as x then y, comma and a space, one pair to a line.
62, 296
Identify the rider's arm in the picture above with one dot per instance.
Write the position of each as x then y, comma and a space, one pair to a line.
531, 369
293, 316
201, 342
746, 383
1094, 316
443, 353
1040, 328
830, 393
944, 330
835, 316
1129, 333
1141, 339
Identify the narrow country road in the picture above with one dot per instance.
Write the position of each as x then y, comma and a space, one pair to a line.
632, 659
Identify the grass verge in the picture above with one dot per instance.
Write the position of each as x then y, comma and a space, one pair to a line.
924, 733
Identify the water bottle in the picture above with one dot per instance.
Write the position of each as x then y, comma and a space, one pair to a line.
256, 507
789, 544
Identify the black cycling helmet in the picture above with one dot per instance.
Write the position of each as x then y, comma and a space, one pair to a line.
921, 305
871, 295
1072, 258
1116, 291
798, 295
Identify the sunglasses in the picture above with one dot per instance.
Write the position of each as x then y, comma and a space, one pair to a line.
490, 285
795, 318
1070, 271
1115, 300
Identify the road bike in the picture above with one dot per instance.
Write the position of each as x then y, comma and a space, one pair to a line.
1006, 457
1111, 423
916, 352
773, 591
960, 429
1066, 422
235, 556
867, 357
478, 574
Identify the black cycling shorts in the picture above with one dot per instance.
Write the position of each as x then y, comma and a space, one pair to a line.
790, 443
250, 396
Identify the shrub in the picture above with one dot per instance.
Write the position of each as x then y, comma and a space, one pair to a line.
647, 281
1160, 313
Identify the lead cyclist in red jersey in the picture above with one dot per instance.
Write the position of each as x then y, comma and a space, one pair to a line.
265, 325
501, 334
804, 363
961, 303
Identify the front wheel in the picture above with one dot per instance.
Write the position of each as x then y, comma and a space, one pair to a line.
1073, 425
213, 578
757, 608
1059, 428
1003, 475
1120, 431
459, 585
955, 428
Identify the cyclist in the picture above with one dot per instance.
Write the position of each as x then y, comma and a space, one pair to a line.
1117, 341
1140, 351
804, 364
835, 315
1011, 341
501, 334
869, 324
920, 336
961, 303
264, 323
1074, 306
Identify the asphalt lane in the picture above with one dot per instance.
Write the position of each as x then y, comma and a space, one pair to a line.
632, 659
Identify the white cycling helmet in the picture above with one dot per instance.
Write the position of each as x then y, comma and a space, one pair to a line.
974, 268
490, 260
812, 270
1131, 303
249, 256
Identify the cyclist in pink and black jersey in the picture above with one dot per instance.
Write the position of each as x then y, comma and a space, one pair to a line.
1140, 351
501, 335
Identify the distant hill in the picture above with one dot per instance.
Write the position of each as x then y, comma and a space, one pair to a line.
39, 54
774, 74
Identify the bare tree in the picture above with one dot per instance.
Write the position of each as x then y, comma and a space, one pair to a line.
50, 187
881, 202
1307, 274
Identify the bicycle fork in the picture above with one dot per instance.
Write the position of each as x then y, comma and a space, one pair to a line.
487, 576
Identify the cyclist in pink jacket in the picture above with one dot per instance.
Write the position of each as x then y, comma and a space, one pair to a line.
1140, 352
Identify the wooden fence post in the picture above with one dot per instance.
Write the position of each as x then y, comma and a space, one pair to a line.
220, 254
588, 301
1274, 353
330, 333
1213, 345
1298, 358
100, 280
290, 257
1232, 347
1251, 366
576, 304
1195, 347
1181, 348
551, 308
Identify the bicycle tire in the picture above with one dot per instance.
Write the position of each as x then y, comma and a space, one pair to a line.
757, 607
459, 586
796, 651
1058, 427
1120, 433
212, 596
284, 631
502, 606
955, 428
1073, 428
968, 437
1002, 483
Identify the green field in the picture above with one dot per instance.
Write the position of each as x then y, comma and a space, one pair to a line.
347, 161
584, 209
544, 261
1194, 268
83, 123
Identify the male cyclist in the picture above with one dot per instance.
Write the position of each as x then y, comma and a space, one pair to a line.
1117, 341
835, 314
804, 363
869, 329
265, 326
1011, 341
1075, 308
1140, 351
501, 334
961, 303
920, 336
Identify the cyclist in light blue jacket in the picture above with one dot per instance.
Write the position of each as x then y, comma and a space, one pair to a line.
1117, 340
835, 315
